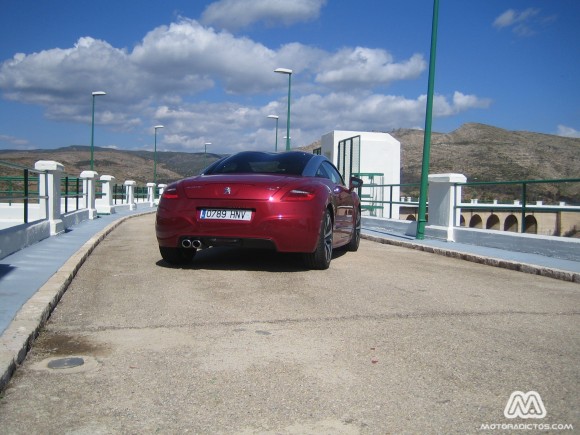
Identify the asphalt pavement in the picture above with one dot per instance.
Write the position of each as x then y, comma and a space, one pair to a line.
388, 340
52, 264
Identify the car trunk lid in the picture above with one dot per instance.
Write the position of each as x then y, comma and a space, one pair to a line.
234, 187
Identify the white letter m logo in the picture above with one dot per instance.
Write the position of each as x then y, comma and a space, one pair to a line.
525, 405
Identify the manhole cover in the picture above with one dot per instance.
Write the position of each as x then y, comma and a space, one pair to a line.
66, 363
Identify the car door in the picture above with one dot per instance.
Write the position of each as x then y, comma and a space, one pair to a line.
343, 203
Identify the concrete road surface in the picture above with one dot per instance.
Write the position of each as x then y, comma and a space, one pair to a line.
388, 340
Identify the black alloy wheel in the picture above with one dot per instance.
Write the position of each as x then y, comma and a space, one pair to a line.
320, 258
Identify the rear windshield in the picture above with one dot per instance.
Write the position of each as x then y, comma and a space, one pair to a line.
292, 163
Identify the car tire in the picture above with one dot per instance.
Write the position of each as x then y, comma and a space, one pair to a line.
320, 258
355, 239
177, 256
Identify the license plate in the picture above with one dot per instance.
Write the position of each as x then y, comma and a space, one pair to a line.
226, 214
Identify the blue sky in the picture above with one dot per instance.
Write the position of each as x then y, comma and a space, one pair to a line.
204, 69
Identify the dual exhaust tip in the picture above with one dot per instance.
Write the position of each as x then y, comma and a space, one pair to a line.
191, 244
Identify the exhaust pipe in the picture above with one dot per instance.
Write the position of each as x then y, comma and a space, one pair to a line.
186, 243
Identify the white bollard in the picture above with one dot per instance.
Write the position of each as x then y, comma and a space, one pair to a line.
130, 193
151, 194
442, 198
49, 191
106, 202
162, 188
89, 178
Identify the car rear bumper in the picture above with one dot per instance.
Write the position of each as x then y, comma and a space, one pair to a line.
286, 227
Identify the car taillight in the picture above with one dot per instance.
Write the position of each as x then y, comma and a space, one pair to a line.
298, 195
170, 193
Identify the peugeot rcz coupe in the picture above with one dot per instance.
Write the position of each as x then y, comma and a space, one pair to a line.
289, 202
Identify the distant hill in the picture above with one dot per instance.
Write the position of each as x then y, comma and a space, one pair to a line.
486, 153
123, 165
491, 154
481, 152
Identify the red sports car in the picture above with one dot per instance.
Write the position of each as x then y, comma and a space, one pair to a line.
290, 202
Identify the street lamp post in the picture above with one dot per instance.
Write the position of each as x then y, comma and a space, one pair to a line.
205, 152
289, 72
95, 94
422, 214
155, 154
276, 118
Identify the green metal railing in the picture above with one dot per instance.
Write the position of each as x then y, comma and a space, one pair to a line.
368, 200
140, 192
19, 188
519, 189
71, 187
21, 185
523, 208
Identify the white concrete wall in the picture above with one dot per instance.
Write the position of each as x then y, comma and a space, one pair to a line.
47, 216
380, 153
18, 237
564, 248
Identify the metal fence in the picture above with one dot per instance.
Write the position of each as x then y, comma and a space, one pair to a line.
19, 185
523, 205
520, 197
20, 189
71, 188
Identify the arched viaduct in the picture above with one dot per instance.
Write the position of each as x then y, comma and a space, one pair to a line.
544, 223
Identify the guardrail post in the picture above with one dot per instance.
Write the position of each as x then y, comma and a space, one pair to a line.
89, 192
161, 188
106, 201
130, 193
442, 201
151, 194
49, 192
26, 199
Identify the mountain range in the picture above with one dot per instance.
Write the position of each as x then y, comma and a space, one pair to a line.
481, 152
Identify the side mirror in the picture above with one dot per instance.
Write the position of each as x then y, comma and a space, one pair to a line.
355, 183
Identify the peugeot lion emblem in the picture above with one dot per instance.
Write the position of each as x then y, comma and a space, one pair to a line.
228, 191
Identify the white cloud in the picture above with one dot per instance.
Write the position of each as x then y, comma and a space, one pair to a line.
567, 131
367, 67
236, 14
187, 56
505, 19
176, 73
14, 141
56, 75
233, 127
462, 102
522, 23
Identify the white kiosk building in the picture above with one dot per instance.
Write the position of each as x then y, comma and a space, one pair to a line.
374, 157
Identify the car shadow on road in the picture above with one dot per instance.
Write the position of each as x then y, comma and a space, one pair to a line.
229, 258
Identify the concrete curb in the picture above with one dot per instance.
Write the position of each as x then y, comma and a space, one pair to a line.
489, 261
17, 339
